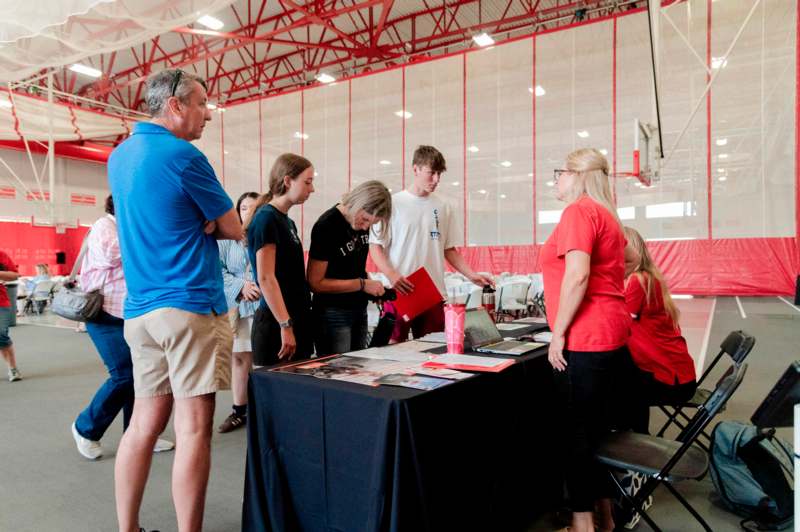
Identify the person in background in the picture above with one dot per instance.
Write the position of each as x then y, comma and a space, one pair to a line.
662, 371
242, 294
42, 274
422, 233
282, 327
337, 273
583, 263
101, 269
171, 209
8, 272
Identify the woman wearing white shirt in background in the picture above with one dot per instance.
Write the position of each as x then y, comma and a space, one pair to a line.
102, 269
242, 295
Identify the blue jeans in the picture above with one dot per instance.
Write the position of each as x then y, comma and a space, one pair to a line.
106, 332
5, 323
341, 330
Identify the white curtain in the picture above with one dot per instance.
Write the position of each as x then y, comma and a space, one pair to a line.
28, 116
52, 33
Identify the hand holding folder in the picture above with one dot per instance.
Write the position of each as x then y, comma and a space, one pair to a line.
424, 296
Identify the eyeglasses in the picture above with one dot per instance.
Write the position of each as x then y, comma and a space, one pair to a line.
557, 174
176, 80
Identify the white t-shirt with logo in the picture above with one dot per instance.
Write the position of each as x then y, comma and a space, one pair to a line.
421, 229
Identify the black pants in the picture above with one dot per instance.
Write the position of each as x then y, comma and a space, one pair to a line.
587, 402
266, 337
642, 390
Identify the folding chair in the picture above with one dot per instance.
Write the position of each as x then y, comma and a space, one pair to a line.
737, 345
41, 295
512, 298
666, 461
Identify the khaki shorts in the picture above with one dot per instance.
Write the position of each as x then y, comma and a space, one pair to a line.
179, 352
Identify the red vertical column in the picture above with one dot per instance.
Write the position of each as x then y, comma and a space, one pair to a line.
708, 117
222, 143
302, 152
533, 130
464, 139
349, 133
403, 134
614, 111
260, 150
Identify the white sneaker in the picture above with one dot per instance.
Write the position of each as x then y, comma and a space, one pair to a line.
88, 448
163, 445
14, 375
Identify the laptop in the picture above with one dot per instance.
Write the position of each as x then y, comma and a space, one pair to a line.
483, 336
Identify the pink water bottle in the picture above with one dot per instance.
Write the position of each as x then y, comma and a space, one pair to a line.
454, 314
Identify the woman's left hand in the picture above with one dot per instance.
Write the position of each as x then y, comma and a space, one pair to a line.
555, 354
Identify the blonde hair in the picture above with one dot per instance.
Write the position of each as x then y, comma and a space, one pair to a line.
646, 271
373, 198
43, 269
591, 178
287, 164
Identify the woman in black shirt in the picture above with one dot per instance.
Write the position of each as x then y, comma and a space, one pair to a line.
282, 324
337, 263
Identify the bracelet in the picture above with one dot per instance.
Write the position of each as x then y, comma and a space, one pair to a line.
362, 284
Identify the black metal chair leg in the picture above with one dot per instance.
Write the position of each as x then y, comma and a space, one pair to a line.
634, 503
688, 507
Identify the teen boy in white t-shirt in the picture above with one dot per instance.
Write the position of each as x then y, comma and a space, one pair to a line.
422, 233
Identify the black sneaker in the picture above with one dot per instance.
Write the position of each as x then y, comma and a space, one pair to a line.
232, 422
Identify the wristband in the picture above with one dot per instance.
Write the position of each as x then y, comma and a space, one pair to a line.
362, 284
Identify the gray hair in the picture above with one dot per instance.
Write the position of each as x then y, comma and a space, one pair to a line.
373, 198
159, 88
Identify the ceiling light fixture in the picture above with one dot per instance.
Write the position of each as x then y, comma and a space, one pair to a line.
210, 22
473, 149
403, 114
86, 70
483, 39
324, 77
583, 134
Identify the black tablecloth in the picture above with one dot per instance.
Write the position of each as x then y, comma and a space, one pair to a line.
327, 455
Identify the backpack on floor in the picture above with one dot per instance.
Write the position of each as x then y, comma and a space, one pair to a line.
753, 473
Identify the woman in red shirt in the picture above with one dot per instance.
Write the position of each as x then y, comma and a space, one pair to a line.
662, 372
583, 262
8, 272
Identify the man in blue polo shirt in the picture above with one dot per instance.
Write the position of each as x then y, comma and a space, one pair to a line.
170, 210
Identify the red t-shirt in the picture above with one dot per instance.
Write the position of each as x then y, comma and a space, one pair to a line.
656, 344
6, 265
602, 322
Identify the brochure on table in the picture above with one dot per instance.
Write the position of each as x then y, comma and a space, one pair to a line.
370, 366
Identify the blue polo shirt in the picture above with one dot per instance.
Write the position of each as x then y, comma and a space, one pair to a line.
164, 190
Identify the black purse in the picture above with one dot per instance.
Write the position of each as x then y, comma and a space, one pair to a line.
71, 302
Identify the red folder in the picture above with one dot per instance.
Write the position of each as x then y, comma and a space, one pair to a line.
424, 296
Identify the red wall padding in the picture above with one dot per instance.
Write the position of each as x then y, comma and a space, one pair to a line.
30, 245
735, 266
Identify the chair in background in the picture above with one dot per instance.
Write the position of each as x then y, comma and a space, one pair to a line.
512, 298
41, 296
474, 295
666, 461
737, 345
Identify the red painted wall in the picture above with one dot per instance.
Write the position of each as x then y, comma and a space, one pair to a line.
30, 245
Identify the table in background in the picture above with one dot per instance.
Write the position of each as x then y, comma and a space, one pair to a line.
326, 455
